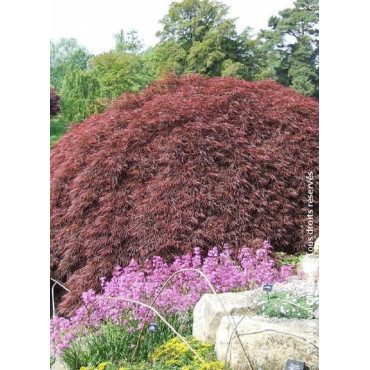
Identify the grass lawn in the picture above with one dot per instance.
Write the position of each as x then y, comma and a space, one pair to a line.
57, 129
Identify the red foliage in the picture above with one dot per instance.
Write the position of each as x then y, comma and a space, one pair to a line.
188, 162
54, 102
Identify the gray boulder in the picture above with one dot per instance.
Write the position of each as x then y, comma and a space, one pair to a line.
59, 365
316, 247
308, 268
268, 342
208, 312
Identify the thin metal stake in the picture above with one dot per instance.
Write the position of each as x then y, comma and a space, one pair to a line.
52, 298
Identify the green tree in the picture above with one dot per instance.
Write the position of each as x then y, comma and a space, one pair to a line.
191, 20
116, 72
303, 71
169, 56
233, 69
198, 37
292, 46
142, 65
81, 94
64, 54
150, 60
90, 89
127, 68
129, 43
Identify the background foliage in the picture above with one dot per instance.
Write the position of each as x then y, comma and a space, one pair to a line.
292, 47
196, 36
63, 54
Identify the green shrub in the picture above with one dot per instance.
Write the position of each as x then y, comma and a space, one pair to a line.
288, 305
283, 258
173, 355
116, 344
176, 355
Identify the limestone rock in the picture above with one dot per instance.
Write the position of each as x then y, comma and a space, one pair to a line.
268, 342
316, 247
208, 312
59, 365
308, 268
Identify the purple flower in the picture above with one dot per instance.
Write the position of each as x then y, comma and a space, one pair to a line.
142, 282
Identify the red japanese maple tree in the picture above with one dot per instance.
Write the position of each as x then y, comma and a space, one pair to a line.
189, 161
54, 102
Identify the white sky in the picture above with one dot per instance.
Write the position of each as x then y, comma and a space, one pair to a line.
94, 22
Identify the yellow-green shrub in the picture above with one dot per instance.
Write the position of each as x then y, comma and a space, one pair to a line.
172, 355
175, 354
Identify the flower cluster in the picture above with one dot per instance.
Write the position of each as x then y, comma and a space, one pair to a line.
226, 272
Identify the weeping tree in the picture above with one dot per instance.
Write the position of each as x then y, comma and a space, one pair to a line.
80, 94
90, 90
64, 54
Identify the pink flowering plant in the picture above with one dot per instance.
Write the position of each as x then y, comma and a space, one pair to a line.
225, 270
